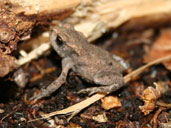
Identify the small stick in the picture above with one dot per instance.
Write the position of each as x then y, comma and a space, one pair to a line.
34, 53
162, 104
156, 115
85, 103
136, 72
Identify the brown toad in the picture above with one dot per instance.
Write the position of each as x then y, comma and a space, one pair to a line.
93, 64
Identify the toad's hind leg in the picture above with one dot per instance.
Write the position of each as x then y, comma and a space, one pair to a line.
102, 89
109, 82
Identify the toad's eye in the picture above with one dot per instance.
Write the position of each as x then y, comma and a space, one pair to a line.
59, 40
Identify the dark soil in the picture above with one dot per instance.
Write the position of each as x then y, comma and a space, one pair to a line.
129, 45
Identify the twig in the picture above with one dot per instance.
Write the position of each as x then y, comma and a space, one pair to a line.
156, 115
136, 72
83, 104
162, 104
73, 114
18, 107
34, 53
74, 108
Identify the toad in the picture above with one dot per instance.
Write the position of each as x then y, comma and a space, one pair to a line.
93, 64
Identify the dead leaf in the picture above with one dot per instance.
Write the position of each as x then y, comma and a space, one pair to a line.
150, 95
101, 118
160, 48
110, 102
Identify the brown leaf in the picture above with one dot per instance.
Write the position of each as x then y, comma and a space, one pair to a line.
150, 95
161, 48
110, 102
101, 118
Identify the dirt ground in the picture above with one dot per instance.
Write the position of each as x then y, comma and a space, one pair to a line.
15, 110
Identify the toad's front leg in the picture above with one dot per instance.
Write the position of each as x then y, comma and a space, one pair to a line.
66, 66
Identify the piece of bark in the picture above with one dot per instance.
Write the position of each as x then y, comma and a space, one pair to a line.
13, 27
7, 64
101, 15
43, 10
42, 7
98, 16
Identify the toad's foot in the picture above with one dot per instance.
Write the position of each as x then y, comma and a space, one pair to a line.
48, 91
66, 64
39, 96
102, 89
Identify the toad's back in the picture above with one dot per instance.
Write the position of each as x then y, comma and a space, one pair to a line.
94, 60
93, 64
